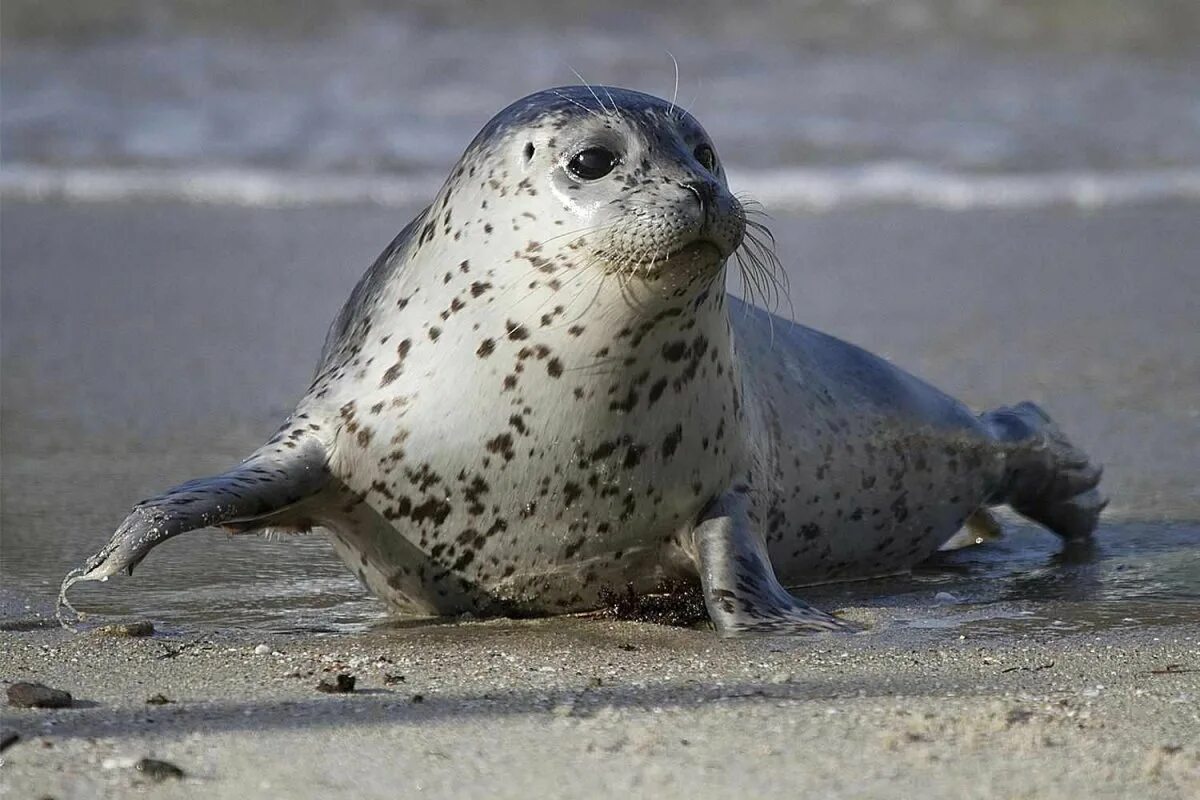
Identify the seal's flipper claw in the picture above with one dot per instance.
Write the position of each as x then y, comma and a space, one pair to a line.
981, 527
263, 487
741, 592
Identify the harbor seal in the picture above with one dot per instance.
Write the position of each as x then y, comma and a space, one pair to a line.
541, 391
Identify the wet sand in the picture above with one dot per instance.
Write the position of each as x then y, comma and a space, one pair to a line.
144, 344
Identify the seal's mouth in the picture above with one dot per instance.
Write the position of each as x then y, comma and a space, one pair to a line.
750, 246
697, 254
699, 248
706, 248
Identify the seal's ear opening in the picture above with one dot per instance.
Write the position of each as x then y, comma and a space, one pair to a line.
528, 152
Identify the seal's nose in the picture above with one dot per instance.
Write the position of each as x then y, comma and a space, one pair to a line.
718, 215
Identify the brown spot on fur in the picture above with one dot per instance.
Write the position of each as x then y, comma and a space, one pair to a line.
672, 441
502, 445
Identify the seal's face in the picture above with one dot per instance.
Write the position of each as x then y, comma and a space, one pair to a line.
635, 182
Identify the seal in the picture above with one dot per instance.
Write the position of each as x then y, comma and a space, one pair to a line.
541, 390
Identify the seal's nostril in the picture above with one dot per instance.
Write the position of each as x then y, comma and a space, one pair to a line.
703, 192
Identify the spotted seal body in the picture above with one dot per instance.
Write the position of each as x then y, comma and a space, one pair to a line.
541, 391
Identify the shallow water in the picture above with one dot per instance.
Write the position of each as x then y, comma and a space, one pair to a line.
147, 343
1133, 574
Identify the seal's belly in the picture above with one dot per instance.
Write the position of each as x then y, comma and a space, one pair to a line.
447, 541
536, 577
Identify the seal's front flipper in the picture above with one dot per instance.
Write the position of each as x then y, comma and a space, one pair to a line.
257, 492
741, 592
1047, 478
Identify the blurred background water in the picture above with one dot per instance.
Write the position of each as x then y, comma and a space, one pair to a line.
1001, 196
912, 89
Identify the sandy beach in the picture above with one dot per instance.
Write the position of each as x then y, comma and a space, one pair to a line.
589, 708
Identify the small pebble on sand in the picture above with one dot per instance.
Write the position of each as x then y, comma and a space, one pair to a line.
344, 684
158, 770
128, 630
36, 695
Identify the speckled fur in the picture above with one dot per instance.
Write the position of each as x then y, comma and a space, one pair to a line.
541, 385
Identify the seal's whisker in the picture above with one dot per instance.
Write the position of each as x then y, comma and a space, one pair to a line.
752, 275
583, 272
762, 265
688, 108
639, 264
598, 279
761, 229
627, 285
764, 276
573, 277
588, 86
772, 289
615, 109
580, 280
758, 291
625, 282
759, 242
764, 253
757, 280
528, 316
654, 260
771, 263
675, 91
581, 231
750, 205
519, 282
572, 100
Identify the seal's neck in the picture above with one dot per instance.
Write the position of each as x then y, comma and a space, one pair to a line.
555, 298
625, 336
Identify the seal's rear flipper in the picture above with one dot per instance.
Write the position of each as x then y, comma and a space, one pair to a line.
255, 493
1047, 479
741, 592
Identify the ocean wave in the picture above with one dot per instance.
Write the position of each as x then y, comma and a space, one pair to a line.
785, 189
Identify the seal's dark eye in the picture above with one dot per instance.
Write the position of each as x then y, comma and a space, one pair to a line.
593, 163
707, 158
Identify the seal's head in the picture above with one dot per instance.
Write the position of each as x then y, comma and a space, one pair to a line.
631, 183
